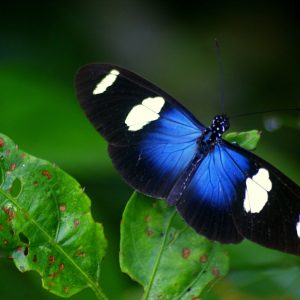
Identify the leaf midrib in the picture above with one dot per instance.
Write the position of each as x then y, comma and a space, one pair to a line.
157, 262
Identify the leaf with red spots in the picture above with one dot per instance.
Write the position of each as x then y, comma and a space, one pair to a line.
164, 255
46, 224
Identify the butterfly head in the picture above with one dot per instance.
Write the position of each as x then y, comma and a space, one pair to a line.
219, 125
213, 133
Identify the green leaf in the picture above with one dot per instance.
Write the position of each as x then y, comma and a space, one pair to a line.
46, 224
163, 254
247, 139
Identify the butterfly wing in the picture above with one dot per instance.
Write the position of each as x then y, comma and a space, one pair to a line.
268, 212
206, 204
234, 195
227, 194
152, 138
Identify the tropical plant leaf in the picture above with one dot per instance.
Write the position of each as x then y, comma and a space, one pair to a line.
46, 224
247, 139
164, 255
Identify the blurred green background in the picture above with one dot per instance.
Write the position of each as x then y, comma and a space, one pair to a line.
171, 44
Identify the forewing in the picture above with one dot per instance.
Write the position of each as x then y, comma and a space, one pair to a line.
152, 138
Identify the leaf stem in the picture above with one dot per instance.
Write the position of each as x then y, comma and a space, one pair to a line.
98, 293
157, 262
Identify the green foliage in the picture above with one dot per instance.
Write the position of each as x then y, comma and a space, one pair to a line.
163, 254
46, 224
247, 139
41, 50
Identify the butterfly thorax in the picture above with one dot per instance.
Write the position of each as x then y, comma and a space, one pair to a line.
213, 133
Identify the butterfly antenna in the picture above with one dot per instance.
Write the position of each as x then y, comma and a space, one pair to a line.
221, 75
264, 112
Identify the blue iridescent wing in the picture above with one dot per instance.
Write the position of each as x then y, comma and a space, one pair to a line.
152, 138
206, 204
234, 195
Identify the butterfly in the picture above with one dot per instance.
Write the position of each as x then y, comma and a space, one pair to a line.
221, 190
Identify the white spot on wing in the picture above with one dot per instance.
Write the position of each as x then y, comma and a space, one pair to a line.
106, 82
141, 114
256, 194
298, 227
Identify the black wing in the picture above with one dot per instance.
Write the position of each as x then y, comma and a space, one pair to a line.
152, 138
269, 213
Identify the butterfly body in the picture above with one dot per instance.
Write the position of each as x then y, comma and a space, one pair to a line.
213, 133
220, 189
